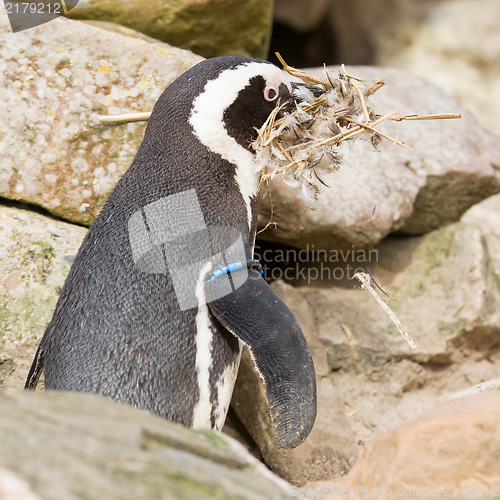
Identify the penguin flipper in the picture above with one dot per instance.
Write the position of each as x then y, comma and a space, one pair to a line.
35, 370
260, 319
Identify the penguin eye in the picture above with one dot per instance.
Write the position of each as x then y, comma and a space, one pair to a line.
270, 94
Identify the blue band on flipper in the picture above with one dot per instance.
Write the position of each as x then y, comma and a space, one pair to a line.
250, 263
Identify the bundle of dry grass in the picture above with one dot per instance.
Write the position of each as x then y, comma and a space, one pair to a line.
302, 145
300, 142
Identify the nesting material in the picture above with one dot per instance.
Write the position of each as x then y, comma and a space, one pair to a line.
300, 142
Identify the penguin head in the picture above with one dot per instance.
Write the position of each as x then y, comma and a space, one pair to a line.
239, 95
255, 101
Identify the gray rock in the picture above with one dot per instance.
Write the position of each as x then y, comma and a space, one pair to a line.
485, 215
210, 28
34, 262
56, 79
446, 294
445, 286
75, 445
299, 15
12, 487
392, 189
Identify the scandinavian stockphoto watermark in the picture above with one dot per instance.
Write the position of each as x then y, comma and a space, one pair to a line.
309, 264
25, 14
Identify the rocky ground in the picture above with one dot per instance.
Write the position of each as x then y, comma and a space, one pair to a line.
389, 417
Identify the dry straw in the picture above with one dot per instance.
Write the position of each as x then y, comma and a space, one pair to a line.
301, 144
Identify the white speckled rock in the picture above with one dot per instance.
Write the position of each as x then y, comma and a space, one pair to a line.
455, 164
55, 80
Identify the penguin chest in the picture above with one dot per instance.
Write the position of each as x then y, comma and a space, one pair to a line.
217, 360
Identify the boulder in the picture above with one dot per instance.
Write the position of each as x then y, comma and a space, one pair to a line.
453, 44
445, 289
76, 445
387, 189
449, 450
456, 47
35, 257
210, 28
56, 79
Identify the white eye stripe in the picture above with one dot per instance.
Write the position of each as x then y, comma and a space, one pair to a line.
207, 120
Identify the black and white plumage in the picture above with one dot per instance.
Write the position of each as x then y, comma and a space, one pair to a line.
118, 329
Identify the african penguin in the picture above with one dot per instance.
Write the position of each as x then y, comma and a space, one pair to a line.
164, 292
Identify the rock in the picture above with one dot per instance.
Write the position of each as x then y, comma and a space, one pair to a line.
122, 30
485, 215
451, 449
210, 28
56, 80
446, 296
444, 284
300, 16
331, 449
364, 30
355, 32
391, 189
35, 253
85, 446
453, 44
456, 47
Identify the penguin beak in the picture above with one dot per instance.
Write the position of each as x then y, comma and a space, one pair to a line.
298, 94
285, 99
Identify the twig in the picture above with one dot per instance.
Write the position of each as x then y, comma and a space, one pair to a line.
270, 222
360, 94
347, 134
371, 90
353, 408
305, 77
365, 280
373, 129
128, 117
445, 116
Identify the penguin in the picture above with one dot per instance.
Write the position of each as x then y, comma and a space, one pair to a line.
164, 292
